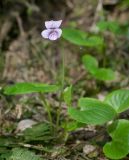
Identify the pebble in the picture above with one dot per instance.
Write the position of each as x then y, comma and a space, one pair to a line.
24, 124
88, 148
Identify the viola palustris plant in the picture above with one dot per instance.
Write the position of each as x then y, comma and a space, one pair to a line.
89, 111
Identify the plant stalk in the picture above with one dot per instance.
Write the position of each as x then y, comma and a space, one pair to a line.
62, 88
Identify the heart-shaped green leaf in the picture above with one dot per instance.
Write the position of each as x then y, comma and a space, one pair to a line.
25, 88
80, 38
92, 112
119, 100
118, 148
74, 36
104, 74
90, 63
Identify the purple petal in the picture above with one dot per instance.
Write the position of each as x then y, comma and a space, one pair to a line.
55, 34
59, 31
53, 24
45, 33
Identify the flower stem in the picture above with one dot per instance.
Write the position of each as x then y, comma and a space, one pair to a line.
62, 88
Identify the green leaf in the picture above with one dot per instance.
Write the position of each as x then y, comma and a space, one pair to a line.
90, 63
67, 94
104, 74
80, 38
109, 25
38, 132
119, 100
92, 112
94, 41
25, 88
23, 154
7, 141
3, 150
5, 156
72, 126
125, 3
118, 148
74, 36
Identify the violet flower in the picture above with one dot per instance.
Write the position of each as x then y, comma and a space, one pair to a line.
52, 31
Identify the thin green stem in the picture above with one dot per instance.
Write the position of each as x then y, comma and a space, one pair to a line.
104, 56
62, 88
48, 108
